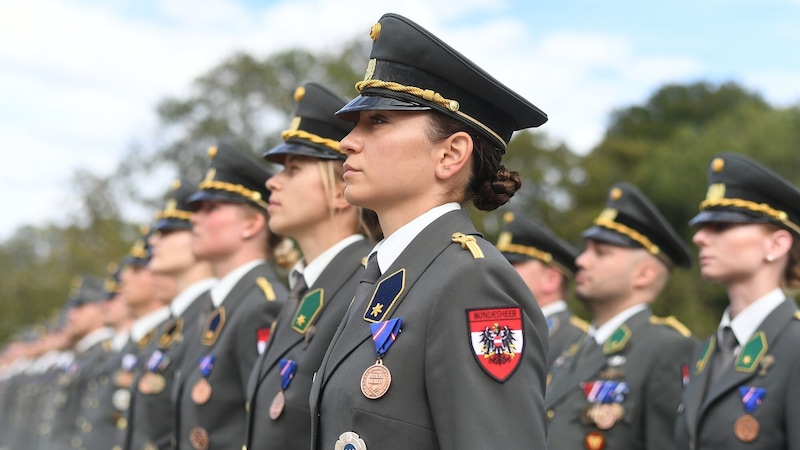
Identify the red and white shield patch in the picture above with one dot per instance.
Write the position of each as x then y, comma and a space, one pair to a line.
497, 340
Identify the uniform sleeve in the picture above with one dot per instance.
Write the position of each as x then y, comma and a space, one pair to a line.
471, 409
665, 389
792, 402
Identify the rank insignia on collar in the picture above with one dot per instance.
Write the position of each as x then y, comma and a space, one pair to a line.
751, 353
171, 335
213, 326
496, 336
386, 294
309, 309
617, 340
708, 350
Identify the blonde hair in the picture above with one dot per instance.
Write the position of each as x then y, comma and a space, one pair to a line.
331, 173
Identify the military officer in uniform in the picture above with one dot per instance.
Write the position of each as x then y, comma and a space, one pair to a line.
620, 386
104, 409
92, 346
547, 265
307, 204
443, 346
171, 255
744, 389
229, 229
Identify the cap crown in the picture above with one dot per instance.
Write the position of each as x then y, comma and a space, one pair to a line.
315, 130
177, 212
631, 220
742, 190
411, 65
233, 177
524, 238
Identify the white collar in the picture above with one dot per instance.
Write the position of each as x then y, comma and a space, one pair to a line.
391, 247
189, 295
608, 328
554, 308
749, 319
93, 338
148, 322
225, 284
313, 270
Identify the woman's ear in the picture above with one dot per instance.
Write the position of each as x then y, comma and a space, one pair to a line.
452, 154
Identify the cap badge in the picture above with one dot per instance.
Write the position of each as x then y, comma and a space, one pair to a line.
508, 217
370, 69
715, 191
375, 32
504, 239
212, 152
299, 93
608, 214
615, 194
717, 165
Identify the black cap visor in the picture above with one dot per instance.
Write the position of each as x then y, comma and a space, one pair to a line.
278, 154
376, 102
607, 236
726, 216
170, 224
214, 195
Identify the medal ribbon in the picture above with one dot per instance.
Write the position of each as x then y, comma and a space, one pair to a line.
206, 364
384, 334
288, 368
751, 397
128, 361
605, 391
155, 360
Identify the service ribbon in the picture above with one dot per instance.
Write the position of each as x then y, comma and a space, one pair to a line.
128, 361
751, 397
155, 360
605, 391
206, 364
288, 368
384, 334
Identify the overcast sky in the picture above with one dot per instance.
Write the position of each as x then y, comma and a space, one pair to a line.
79, 80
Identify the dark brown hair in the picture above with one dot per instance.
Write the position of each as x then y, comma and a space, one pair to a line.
491, 184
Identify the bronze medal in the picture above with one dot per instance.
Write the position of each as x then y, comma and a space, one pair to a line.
198, 437
123, 378
152, 383
594, 441
376, 381
746, 428
603, 416
276, 408
201, 391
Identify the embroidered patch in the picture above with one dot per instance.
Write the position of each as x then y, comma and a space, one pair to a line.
171, 335
750, 355
213, 326
309, 309
387, 292
497, 340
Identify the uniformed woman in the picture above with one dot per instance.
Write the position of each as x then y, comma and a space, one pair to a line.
229, 229
307, 204
744, 391
443, 346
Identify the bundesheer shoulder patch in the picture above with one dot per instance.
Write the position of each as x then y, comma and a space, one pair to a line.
497, 340
386, 294
213, 327
309, 309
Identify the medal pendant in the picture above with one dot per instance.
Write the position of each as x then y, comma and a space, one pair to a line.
746, 428
198, 437
376, 381
152, 383
201, 391
603, 416
123, 378
276, 407
121, 399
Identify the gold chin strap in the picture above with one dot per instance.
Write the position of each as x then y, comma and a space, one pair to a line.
427, 95
761, 208
300, 134
253, 196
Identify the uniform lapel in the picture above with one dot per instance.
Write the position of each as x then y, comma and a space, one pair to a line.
695, 390
775, 322
419, 254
